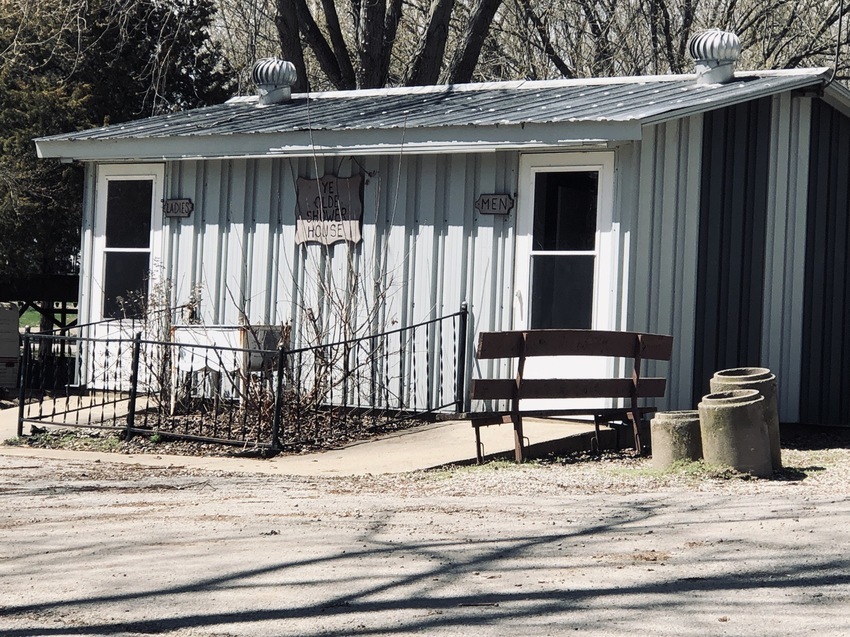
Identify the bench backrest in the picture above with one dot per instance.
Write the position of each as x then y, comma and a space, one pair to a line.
522, 344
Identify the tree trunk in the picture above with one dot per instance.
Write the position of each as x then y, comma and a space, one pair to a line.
338, 42
466, 56
286, 22
390, 31
371, 44
428, 59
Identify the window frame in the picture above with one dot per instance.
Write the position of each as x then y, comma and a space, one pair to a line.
604, 283
107, 173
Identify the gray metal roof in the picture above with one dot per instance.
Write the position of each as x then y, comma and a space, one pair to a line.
470, 115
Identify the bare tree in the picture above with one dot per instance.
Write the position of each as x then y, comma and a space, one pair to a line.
361, 47
584, 38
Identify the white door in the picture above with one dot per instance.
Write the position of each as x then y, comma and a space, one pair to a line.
565, 247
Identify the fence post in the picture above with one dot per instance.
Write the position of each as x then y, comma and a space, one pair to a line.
460, 387
278, 399
134, 384
23, 379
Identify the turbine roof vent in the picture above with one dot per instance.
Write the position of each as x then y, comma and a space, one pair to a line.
715, 53
274, 79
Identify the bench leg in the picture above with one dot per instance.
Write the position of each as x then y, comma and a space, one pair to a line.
595, 442
635, 417
479, 449
519, 451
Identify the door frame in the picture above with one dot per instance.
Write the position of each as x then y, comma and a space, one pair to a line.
604, 268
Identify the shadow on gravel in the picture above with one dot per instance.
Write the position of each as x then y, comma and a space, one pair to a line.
429, 599
815, 437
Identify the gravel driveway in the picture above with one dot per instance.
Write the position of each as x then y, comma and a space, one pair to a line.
593, 548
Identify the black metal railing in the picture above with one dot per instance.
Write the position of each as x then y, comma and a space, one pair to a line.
285, 398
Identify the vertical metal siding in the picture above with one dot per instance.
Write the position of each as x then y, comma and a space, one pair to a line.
825, 374
733, 217
782, 326
87, 245
425, 248
663, 234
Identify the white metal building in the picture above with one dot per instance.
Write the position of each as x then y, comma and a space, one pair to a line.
715, 211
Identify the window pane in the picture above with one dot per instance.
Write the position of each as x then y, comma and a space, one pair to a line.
125, 284
562, 291
128, 213
565, 210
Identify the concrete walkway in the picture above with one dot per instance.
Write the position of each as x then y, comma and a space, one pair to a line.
426, 447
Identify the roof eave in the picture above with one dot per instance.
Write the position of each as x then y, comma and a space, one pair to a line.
447, 139
715, 100
837, 96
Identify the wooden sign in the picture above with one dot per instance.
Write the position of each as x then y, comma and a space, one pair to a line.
329, 209
494, 204
177, 207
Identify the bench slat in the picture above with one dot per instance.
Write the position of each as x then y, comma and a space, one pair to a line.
573, 343
503, 388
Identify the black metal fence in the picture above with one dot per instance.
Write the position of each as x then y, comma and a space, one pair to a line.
279, 399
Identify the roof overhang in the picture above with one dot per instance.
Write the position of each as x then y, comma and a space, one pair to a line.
221, 132
837, 96
464, 139
791, 80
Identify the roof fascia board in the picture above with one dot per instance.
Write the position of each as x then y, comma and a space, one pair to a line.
459, 139
838, 97
734, 98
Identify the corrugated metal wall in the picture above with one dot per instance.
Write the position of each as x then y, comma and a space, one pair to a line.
825, 375
425, 248
660, 186
785, 249
733, 217
694, 201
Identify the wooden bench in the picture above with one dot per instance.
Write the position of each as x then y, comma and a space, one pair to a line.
521, 345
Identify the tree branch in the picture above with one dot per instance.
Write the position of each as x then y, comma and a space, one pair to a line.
543, 33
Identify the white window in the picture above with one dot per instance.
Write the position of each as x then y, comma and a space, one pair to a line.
128, 221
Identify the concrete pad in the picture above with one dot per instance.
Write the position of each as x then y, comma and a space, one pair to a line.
425, 447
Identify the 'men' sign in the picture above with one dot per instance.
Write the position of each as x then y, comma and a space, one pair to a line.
329, 209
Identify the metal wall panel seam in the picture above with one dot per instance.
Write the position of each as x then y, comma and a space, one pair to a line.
260, 264
183, 261
234, 301
814, 329
208, 264
774, 271
779, 258
685, 327
198, 235
796, 248
249, 227
484, 283
507, 181
169, 270
273, 299
643, 283
87, 244
291, 273
834, 385
837, 374
668, 212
